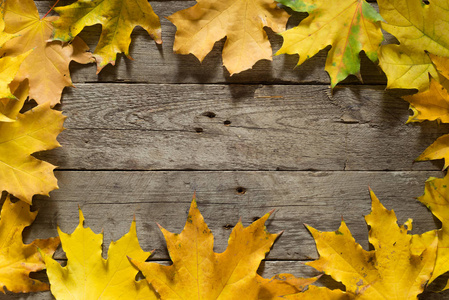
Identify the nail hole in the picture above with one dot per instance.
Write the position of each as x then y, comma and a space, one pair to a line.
255, 219
209, 114
227, 123
241, 190
199, 130
228, 226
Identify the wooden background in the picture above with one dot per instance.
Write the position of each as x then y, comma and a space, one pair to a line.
144, 135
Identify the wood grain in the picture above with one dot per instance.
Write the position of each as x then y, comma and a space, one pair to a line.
239, 127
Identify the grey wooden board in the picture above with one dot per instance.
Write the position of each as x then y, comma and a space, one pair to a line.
280, 127
158, 64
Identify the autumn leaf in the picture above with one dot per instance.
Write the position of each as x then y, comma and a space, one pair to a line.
47, 66
9, 66
281, 285
118, 18
406, 68
320, 293
390, 271
17, 259
419, 28
441, 63
436, 198
349, 26
88, 276
240, 21
438, 150
200, 273
433, 104
4, 37
21, 174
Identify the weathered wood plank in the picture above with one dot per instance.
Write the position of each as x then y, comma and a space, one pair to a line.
299, 127
158, 64
111, 199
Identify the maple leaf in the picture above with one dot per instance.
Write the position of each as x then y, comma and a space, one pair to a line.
9, 66
118, 18
321, 293
433, 104
281, 285
4, 37
438, 150
436, 198
240, 21
17, 260
441, 63
35, 130
88, 276
47, 66
200, 273
391, 271
406, 68
419, 28
350, 26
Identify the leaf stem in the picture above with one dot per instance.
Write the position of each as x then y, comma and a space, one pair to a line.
51, 8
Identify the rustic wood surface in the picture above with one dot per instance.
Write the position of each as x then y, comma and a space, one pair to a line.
144, 135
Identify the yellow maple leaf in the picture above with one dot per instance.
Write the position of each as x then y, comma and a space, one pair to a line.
438, 150
21, 174
441, 63
282, 285
200, 273
4, 37
118, 18
433, 104
406, 68
17, 260
350, 26
47, 67
320, 293
391, 271
9, 66
419, 28
436, 198
240, 21
88, 276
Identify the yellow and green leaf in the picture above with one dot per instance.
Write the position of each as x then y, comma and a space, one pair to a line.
420, 28
118, 18
47, 66
349, 26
